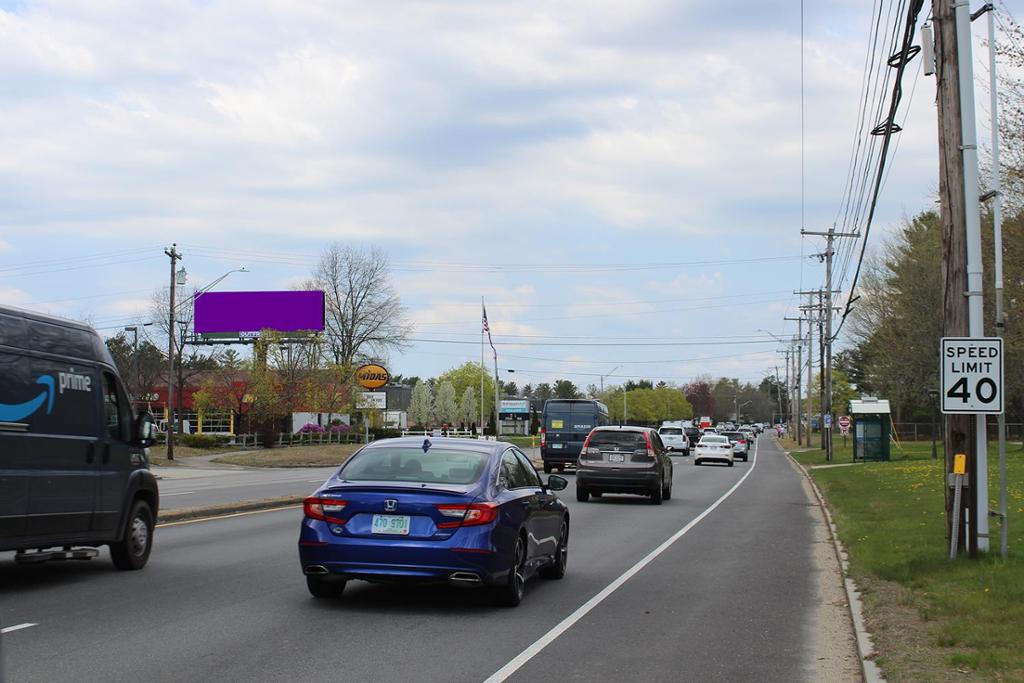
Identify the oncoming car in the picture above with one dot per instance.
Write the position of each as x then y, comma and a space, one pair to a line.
456, 511
715, 448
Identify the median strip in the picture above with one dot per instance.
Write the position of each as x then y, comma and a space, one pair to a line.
209, 512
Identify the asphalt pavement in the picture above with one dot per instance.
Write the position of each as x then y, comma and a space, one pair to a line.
724, 591
188, 487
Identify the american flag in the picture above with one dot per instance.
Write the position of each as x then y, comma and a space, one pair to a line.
487, 328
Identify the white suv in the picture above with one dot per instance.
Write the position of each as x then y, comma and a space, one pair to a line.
675, 439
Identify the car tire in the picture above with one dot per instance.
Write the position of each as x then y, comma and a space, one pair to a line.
731, 463
582, 494
320, 587
667, 494
658, 495
132, 551
547, 468
510, 594
556, 570
595, 494
696, 462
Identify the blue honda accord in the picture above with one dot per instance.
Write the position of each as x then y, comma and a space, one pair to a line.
457, 511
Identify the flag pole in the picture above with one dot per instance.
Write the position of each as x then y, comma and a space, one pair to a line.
480, 428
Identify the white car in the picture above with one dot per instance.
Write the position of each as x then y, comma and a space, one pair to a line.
713, 447
675, 439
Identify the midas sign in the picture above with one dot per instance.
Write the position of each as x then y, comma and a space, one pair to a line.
372, 376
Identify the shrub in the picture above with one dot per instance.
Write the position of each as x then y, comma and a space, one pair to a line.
203, 440
311, 428
340, 427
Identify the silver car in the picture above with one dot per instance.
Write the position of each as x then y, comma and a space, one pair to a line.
675, 439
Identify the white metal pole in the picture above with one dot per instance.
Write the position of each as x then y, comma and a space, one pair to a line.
975, 312
997, 231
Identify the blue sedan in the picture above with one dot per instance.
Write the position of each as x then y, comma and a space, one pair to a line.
456, 511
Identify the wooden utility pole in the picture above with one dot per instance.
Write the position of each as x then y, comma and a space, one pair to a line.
174, 256
959, 434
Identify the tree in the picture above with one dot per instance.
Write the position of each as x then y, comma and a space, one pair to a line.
511, 389
468, 376
140, 371
543, 392
446, 409
364, 315
698, 393
527, 391
468, 408
566, 389
421, 406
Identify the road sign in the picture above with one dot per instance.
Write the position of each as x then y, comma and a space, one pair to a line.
828, 421
844, 421
972, 375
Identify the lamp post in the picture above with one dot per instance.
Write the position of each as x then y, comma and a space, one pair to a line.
607, 374
934, 394
134, 329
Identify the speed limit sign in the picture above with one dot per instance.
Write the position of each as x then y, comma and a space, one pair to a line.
972, 375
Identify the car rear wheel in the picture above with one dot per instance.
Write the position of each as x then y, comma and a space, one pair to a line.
582, 494
132, 551
556, 570
667, 494
658, 494
511, 593
731, 463
696, 462
319, 587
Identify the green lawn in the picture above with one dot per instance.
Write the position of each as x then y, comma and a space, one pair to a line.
316, 455
933, 619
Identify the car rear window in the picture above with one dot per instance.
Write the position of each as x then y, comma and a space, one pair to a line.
670, 430
618, 441
436, 466
714, 438
733, 435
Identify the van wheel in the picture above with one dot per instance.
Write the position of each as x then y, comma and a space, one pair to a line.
132, 551
582, 494
547, 468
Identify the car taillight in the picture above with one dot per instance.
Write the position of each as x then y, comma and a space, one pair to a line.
650, 448
543, 436
324, 509
742, 442
587, 450
473, 514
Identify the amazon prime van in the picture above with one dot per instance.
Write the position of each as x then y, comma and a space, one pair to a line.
73, 464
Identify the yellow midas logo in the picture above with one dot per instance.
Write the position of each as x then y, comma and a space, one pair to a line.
372, 376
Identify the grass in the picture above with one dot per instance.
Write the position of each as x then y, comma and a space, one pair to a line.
521, 441
325, 455
933, 619
158, 454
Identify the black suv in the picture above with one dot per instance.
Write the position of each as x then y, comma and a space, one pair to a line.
624, 460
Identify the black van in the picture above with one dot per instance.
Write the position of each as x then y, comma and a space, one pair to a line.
73, 465
565, 425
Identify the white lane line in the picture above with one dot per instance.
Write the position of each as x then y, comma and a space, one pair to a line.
168, 495
18, 627
567, 623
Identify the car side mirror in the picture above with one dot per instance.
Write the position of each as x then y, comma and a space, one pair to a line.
557, 483
144, 430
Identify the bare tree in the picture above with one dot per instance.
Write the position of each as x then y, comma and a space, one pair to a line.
364, 314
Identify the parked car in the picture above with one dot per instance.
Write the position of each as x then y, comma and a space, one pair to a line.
457, 511
675, 439
714, 448
740, 445
624, 460
565, 424
73, 466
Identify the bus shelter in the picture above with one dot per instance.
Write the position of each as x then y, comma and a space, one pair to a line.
871, 428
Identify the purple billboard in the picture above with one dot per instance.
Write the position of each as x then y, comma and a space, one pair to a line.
244, 314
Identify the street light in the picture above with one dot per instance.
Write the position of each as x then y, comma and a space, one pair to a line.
134, 329
608, 374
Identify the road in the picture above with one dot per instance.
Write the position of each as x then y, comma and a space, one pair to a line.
734, 598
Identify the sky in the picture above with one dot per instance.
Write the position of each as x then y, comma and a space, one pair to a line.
620, 181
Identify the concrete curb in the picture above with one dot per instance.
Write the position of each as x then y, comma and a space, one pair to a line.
865, 644
225, 510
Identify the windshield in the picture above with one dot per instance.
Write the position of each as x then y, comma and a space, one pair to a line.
412, 464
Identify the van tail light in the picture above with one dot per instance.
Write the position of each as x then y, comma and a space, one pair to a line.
473, 514
650, 448
543, 436
324, 509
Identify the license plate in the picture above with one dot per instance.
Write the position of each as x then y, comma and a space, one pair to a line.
397, 525
616, 457
556, 445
